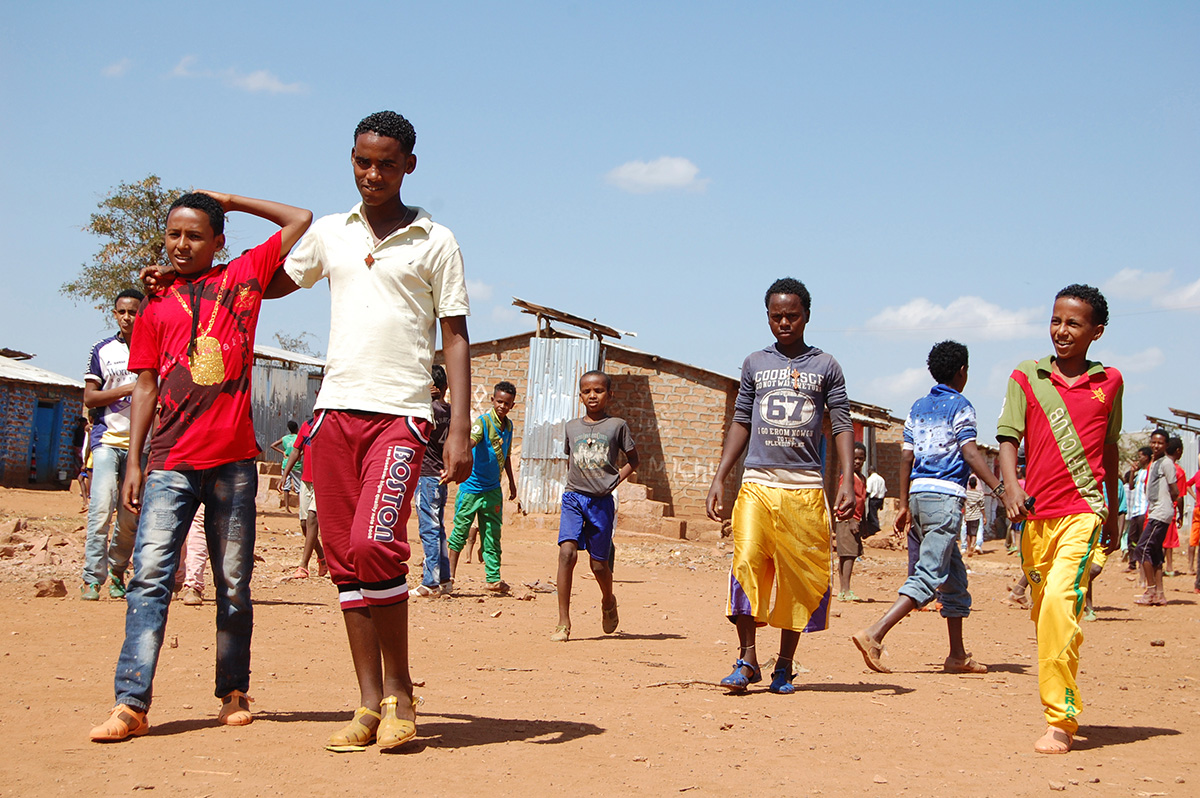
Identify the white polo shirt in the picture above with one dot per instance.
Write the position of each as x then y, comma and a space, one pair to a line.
384, 314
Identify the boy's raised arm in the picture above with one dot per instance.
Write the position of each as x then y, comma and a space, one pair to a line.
291, 220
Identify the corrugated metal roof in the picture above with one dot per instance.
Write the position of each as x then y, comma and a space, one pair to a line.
21, 371
275, 353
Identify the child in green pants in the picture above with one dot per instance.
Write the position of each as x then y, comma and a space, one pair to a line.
491, 439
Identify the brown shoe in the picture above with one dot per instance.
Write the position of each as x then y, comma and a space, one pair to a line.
191, 597
235, 709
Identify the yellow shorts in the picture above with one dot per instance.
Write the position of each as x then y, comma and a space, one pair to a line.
780, 538
1099, 557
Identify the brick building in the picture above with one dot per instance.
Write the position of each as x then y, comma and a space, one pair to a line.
678, 414
38, 411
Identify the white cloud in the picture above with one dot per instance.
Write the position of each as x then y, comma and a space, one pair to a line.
1136, 284
663, 174
895, 390
1186, 297
184, 68
117, 68
479, 290
505, 314
261, 80
967, 318
1136, 363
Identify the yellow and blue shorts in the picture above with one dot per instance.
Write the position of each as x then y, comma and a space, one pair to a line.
780, 539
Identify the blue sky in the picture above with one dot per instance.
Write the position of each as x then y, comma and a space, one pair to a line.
930, 170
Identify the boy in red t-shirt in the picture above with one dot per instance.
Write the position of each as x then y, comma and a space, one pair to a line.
193, 353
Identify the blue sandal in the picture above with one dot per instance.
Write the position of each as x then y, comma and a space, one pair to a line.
781, 678
738, 680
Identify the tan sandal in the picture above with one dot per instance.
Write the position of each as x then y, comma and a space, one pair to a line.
562, 633
235, 709
1052, 741
872, 651
125, 722
355, 735
967, 665
609, 619
394, 732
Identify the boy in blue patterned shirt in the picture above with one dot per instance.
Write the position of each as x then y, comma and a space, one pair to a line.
939, 453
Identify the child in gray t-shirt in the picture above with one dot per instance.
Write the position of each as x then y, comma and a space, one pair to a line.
593, 446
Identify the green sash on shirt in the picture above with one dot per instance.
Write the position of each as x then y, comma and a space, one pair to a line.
1062, 426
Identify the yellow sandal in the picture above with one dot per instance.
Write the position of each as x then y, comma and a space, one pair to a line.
355, 735
394, 732
235, 709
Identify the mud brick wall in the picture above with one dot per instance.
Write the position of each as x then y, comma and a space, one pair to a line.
888, 444
678, 415
18, 402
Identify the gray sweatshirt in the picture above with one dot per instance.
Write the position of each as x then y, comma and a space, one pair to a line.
784, 400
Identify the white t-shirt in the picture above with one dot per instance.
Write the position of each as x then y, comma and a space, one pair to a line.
384, 315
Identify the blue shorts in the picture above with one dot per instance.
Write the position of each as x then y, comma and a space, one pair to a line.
588, 522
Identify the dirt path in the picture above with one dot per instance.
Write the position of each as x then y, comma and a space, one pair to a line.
506, 711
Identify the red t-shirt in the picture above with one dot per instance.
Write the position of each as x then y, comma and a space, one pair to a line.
204, 400
1094, 404
304, 438
860, 497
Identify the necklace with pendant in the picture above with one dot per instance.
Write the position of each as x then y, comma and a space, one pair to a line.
404, 220
206, 362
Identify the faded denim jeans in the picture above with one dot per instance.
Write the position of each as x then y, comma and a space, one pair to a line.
100, 554
431, 509
936, 520
169, 502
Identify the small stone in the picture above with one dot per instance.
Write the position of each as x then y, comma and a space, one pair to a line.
879, 779
1057, 785
1179, 779
1073, 782
173, 642
1093, 781
1158, 643
725, 726
50, 588
497, 613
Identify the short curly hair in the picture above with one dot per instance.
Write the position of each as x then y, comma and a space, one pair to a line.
504, 386
1092, 296
945, 360
789, 285
390, 125
199, 201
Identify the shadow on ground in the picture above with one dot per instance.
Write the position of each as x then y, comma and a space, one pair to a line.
1104, 736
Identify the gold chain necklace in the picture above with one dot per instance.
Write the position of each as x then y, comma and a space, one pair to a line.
206, 363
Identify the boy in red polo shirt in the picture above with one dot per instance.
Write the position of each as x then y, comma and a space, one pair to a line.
1068, 410
193, 353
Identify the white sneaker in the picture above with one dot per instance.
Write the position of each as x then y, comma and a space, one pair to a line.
425, 592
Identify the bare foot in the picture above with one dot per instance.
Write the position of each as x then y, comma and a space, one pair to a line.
1054, 741
871, 650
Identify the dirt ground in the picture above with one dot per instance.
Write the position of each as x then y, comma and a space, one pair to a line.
506, 710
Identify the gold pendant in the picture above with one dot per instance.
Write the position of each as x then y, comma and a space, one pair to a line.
208, 367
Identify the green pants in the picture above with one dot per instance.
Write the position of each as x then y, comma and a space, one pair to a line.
489, 506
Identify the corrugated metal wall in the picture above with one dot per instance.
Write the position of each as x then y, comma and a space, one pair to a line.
280, 395
555, 366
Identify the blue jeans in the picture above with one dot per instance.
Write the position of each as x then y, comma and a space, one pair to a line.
431, 510
169, 502
100, 554
936, 520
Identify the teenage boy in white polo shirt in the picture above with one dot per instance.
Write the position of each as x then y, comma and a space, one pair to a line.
394, 275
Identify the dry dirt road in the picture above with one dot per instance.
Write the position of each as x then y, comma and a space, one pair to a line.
507, 712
